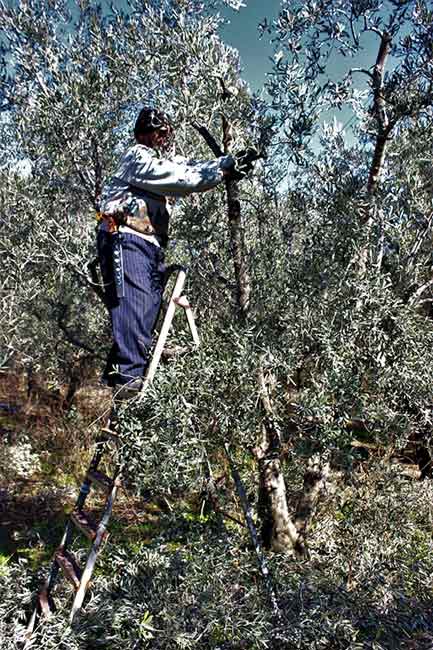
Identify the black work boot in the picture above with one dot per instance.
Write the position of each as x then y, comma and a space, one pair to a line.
123, 392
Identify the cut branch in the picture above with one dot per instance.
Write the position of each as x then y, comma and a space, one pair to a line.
263, 567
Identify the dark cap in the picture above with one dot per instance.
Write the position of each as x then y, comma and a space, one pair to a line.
150, 119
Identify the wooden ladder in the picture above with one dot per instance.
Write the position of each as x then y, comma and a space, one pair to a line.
79, 521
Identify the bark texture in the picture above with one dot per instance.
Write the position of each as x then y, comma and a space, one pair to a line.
314, 483
237, 249
384, 128
278, 530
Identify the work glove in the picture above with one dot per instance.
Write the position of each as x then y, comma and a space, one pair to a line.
244, 163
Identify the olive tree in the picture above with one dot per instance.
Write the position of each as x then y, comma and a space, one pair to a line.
73, 78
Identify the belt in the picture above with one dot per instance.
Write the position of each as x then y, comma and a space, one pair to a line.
141, 224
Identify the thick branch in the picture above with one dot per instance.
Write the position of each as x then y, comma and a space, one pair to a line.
379, 110
378, 160
208, 138
237, 247
237, 242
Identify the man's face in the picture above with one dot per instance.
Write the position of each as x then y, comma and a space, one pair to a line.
160, 138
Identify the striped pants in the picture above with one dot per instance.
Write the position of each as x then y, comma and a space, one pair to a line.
133, 317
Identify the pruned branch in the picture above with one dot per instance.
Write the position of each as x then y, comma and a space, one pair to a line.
208, 137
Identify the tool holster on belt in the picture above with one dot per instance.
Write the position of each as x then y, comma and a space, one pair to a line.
119, 280
133, 215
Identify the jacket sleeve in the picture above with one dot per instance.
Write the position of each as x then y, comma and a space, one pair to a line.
178, 177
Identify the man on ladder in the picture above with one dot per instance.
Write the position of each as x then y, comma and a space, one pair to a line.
132, 235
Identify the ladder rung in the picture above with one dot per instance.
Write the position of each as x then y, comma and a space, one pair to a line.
85, 523
100, 479
69, 567
44, 602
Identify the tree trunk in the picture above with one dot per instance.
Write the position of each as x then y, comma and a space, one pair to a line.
278, 530
237, 248
314, 483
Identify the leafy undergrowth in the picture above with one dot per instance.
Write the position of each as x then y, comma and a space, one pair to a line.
173, 578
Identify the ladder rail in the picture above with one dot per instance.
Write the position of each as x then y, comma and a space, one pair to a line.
94, 551
176, 300
43, 600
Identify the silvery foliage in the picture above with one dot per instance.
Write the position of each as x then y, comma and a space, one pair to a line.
194, 585
339, 348
313, 39
350, 347
18, 460
340, 338
73, 79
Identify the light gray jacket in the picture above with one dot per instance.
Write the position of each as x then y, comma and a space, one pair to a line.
143, 175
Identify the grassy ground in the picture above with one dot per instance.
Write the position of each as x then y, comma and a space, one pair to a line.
175, 575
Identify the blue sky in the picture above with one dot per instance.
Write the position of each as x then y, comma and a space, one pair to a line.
242, 33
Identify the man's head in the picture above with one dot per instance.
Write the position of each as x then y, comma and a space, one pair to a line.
152, 128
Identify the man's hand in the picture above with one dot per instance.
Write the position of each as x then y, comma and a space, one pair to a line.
244, 164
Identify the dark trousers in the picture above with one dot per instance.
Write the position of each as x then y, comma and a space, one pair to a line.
133, 316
